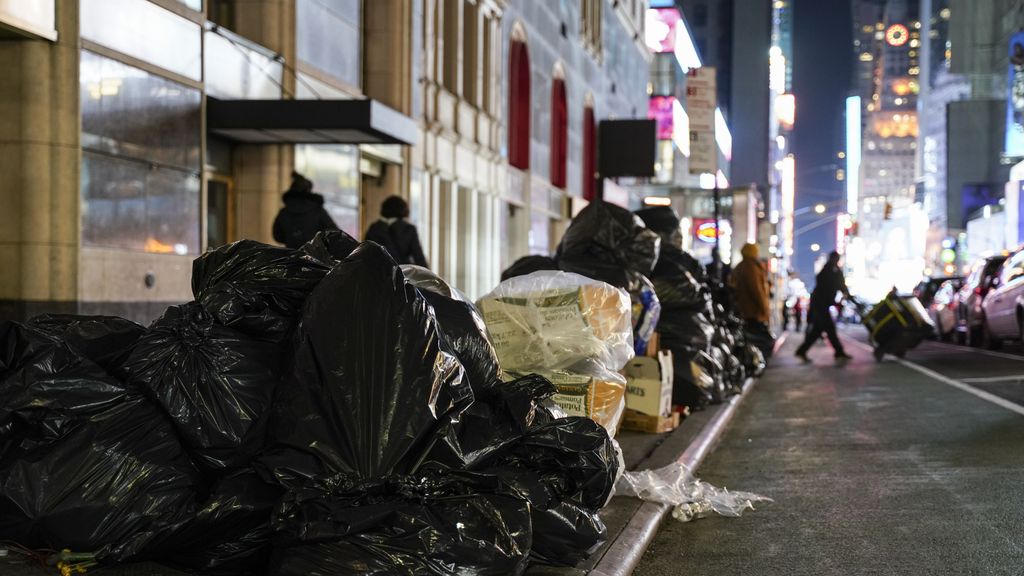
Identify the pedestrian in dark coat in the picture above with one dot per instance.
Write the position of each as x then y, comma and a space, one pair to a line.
397, 236
819, 315
303, 214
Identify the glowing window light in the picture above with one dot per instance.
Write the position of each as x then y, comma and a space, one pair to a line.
853, 153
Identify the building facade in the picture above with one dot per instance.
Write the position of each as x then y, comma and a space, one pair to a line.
142, 132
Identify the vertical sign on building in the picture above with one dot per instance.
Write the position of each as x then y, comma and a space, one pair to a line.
701, 101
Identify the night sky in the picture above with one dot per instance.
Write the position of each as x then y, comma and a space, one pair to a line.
822, 74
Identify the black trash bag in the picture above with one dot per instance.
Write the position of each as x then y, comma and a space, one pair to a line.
86, 463
760, 335
462, 327
694, 330
566, 469
330, 246
528, 265
498, 415
677, 286
256, 288
664, 221
693, 382
231, 532
216, 384
106, 340
373, 380
608, 243
438, 524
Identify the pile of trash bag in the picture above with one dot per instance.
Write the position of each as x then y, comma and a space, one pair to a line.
313, 411
609, 243
711, 354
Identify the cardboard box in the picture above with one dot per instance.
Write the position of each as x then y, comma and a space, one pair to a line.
582, 395
649, 384
637, 422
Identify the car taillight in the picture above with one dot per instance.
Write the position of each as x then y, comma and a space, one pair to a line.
978, 291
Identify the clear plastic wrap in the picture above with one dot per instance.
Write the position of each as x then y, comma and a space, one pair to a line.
553, 320
675, 485
600, 397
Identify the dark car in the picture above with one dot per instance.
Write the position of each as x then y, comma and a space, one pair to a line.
969, 313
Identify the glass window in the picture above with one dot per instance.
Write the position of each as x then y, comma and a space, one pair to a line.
140, 183
1013, 269
36, 17
334, 170
165, 115
145, 31
328, 37
196, 5
540, 233
134, 205
234, 70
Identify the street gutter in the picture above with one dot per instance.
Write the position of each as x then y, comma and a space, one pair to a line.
623, 554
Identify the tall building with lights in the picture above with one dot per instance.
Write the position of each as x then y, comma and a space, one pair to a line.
887, 48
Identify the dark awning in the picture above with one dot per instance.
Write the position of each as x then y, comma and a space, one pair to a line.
309, 122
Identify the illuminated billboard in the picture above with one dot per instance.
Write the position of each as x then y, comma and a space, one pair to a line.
1015, 99
666, 32
672, 121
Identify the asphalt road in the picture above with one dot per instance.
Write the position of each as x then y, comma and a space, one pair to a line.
902, 468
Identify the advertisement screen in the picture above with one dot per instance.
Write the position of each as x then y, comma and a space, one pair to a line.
1015, 99
660, 110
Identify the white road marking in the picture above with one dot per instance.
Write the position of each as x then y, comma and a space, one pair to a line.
1002, 402
1014, 378
992, 353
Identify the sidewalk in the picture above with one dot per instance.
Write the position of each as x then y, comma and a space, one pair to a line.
874, 468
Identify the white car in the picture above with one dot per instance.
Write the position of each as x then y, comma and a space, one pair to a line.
1003, 306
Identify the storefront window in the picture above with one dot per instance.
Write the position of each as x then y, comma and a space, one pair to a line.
133, 205
145, 31
540, 233
140, 160
328, 37
334, 170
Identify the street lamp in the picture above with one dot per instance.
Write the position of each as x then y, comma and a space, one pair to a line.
815, 247
820, 208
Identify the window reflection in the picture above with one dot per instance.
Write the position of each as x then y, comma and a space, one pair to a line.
140, 184
328, 37
165, 115
334, 170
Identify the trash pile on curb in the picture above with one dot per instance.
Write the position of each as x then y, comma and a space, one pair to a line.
313, 411
328, 411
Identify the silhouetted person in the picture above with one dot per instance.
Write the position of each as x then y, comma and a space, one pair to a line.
303, 214
819, 317
396, 235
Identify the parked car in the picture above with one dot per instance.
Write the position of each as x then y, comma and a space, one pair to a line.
969, 314
928, 287
942, 309
1003, 307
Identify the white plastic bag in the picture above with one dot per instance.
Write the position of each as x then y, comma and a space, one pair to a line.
553, 320
675, 485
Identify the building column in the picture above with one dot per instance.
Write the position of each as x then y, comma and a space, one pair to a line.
387, 78
40, 163
262, 172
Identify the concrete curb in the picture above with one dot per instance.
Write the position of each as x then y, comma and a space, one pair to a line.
623, 555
